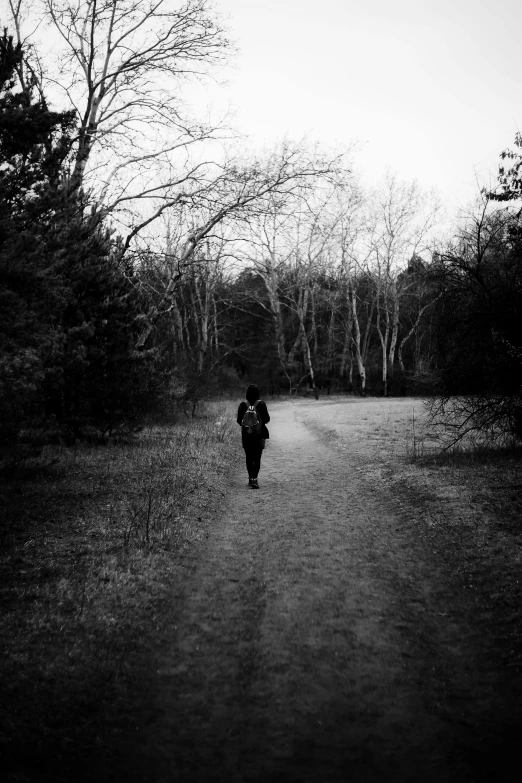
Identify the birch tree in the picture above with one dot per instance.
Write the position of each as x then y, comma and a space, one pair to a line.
404, 218
268, 252
353, 251
243, 191
314, 229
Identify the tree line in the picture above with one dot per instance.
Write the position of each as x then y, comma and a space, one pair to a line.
144, 259
327, 291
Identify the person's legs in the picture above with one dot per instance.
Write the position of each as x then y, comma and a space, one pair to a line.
249, 463
256, 462
253, 462
256, 465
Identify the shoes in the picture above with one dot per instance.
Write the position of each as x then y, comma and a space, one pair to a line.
250, 480
254, 484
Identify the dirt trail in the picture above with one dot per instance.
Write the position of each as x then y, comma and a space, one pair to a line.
314, 641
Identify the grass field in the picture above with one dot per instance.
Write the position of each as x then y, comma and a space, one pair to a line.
409, 455
88, 534
467, 500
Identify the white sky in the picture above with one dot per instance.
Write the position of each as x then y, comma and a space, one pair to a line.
431, 89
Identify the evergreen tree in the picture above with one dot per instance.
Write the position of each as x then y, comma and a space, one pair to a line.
69, 302
33, 145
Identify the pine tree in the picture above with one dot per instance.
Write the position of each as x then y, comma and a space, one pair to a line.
69, 300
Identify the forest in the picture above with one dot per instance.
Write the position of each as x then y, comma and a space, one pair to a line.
148, 261
357, 616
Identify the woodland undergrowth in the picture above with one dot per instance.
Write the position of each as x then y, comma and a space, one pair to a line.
91, 538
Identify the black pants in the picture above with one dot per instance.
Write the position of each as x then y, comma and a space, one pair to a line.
253, 459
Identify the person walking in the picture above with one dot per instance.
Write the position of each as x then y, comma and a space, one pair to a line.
253, 417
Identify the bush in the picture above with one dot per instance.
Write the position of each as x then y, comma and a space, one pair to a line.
478, 329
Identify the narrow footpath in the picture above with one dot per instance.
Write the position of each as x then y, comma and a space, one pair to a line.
315, 642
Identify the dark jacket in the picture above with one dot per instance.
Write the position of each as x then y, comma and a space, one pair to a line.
263, 414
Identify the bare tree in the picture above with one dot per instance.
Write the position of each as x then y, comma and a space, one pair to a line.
479, 360
315, 227
289, 245
242, 191
404, 218
266, 247
353, 252
123, 65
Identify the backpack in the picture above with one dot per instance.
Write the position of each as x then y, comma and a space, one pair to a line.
251, 424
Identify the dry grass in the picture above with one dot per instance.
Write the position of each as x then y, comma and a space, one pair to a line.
398, 434
464, 504
401, 429
395, 426
92, 539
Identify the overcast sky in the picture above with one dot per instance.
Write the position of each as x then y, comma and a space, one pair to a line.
431, 89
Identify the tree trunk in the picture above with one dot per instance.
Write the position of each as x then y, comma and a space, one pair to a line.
300, 308
178, 324
394, 330
85, 142
203, 321
186, 320
197, 324
366, 340
348, 340
357, 340
309, 364
302, 338
314, 325
215, 323
268, 273
330, 340
411, 332
270, 280
384, 343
